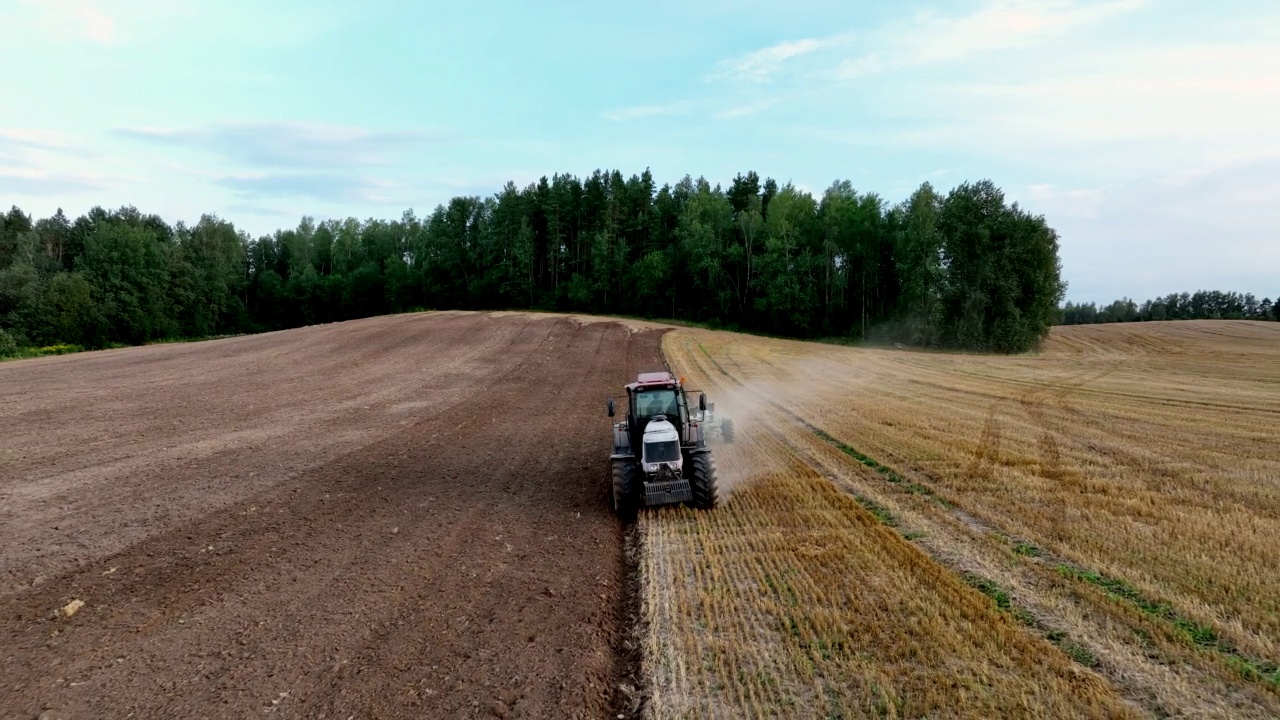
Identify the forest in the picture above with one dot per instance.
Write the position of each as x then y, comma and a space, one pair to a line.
964, 269
1200, 305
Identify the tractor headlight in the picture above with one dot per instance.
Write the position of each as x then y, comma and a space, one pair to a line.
674, 466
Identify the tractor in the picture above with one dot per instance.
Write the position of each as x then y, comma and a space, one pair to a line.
660, 455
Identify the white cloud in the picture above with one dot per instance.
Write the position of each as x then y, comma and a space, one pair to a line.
1216, 94
1070, 108
83, 20
31, 181
1206, 228
746, 110
763, 65
287, 144
43, 163
167, 23
1079, 202
929, 38
34, 139
647, 111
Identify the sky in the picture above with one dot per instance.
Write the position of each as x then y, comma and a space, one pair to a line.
1147, 132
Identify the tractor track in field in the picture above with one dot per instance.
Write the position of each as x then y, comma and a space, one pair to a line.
394, 517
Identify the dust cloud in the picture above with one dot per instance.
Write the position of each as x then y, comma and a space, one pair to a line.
765, 406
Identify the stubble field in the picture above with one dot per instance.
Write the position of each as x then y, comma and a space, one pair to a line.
1088, 531
408, 516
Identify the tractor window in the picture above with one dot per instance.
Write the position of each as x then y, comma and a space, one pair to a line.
664, 451
657, 402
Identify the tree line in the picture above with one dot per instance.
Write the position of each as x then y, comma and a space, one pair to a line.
1200, 305
964, 269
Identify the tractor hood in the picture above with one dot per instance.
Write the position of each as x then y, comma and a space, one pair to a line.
661, 447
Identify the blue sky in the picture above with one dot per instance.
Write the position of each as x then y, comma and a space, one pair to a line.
1146, 131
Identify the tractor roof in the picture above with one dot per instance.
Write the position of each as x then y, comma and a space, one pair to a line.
652, 378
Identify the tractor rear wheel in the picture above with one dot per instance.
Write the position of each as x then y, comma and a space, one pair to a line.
626, 489
726, 430
702, 480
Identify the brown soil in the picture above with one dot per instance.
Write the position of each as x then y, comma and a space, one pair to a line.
403, 516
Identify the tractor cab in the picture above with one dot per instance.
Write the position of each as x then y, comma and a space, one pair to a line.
650, 396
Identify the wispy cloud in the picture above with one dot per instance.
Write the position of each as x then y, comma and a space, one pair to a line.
930, 38
647, 111
766, 64
334, 187
249, 208
747, 109
28, 181
1045, 93
82, 20
41, 160
270, 144
1207, 228
33, 139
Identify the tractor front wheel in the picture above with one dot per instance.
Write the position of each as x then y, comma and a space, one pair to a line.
702, 480
626, 489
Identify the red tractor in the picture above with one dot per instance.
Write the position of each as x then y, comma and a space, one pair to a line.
660, 456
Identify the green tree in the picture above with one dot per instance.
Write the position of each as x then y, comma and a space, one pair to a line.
21, 292
212, 256
1003, 281
919, 264
55, 235
788, 295
705, 233
123, 262
71, 314
652, 275
13, 226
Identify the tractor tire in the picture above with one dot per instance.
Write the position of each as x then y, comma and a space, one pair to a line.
726, 430
702, 480
626, 489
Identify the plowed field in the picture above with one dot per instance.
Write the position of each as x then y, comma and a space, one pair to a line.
402, 516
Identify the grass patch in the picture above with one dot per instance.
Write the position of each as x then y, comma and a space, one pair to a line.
1001, 598
22, 353
870, 462
881, 512
1073, 651
864, 459
1027, 549
913, 535
1198, 634
1076, 652
1195, 633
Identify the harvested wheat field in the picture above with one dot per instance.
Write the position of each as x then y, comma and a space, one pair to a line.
1089, 531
